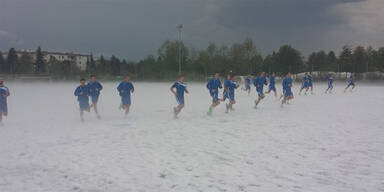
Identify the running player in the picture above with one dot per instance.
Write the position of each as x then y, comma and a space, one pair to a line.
272, 86
230, 86
310, 84
213, 85
179, 94
259, 83
125, 89
351, 83
94, 88
82, 94
330, 85
4, 93
247, 84
304, 84
287, 85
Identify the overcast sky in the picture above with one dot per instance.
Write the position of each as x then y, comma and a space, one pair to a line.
132, 29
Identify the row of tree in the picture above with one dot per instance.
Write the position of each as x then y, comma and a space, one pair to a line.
240, 58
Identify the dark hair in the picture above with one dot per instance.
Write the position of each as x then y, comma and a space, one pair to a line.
92, 76
82, 79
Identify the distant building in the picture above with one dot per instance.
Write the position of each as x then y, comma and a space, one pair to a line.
80, 60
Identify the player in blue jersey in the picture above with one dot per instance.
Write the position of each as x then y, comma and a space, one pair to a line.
304, 84
213, 86
310, 84
4, 93
330, 84
178, 88
287, 87
259, 83
272, 82
125, 90
230, 86
351, 83
82, 94
94, 90
247, 84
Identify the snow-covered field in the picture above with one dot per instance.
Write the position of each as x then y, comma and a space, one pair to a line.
317, 143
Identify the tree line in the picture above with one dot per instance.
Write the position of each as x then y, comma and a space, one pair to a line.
240, 58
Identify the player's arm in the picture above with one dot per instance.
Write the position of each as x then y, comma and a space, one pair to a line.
133, 89
172, 89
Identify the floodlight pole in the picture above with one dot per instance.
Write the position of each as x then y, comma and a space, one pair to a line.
179, 27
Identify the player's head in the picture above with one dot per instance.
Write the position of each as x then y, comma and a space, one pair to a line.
127, 78
82, 81
273, 74
228, 76
262, 74
92, 77
249, 75
1, 81
289, 74
233, 77
217, 75
180, 78
306, 73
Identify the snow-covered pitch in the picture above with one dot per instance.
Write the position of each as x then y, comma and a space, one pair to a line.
321, 142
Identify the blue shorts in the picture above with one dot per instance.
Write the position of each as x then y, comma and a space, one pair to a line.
215, 96
287, 93
231, 97
351, 84
310, 84
84, 105
305, 85
4, 108
94, 98
260, 92
126, 100
247, 87
180, 100
272, 88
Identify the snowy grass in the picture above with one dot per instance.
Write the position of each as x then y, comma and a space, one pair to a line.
318, 143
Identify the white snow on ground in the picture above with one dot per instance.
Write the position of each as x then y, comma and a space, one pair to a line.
317, 143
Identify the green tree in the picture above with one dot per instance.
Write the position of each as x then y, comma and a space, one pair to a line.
40, 66
12, 60
2, 63
345, 60
25, 63
359, 60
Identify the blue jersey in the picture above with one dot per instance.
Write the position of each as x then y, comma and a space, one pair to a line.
82, 93
214, 84
259, 83
287, 84
94, 88
180, 89
4, 93
330, 82
309, 79
247, 81
305, 81
271, 81
351, 80
125, 89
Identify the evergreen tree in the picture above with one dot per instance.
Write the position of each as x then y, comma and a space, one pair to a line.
2, 63
39, 63
12, 60
25, 64
345, 60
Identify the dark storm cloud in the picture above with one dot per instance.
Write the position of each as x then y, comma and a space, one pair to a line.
135, 28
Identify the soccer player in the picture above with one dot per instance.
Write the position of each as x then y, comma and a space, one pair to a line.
330, 85
259, 83
310, 84
272, 86
4, 93
247, 84
287, 85
304, 84
125, 89
213, 85
230, 86
178, 88
82, 94
351, 83
94, 90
